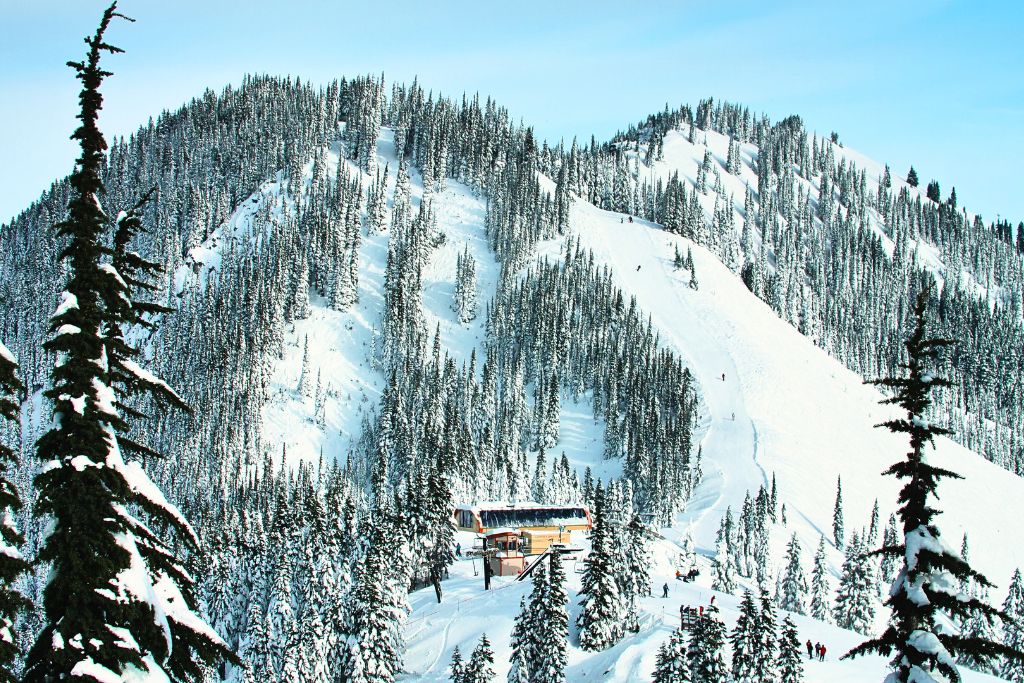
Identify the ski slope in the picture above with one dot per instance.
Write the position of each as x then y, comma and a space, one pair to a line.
798, 412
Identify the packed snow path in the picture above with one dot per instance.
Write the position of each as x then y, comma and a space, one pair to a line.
730, 444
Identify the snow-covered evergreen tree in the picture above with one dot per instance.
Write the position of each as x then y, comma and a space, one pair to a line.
551, 621
458, 667
705, 651
821, 590
12, 563
856, 596
602, 608
791, 660
1012, 669
838, 526
724, 577
794, 582
480, 667
673, 665
465, 287
766, 638
924, 589
746, 646
521, 645
117, 602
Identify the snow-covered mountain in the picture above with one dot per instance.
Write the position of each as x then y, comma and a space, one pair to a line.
800, 260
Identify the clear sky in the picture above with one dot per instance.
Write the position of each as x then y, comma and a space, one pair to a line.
937, 84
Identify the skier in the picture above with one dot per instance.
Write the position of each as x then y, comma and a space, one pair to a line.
810, 649
630, 219
458, 550
638, 269
679, 575
664, 591
723, 376
821, 653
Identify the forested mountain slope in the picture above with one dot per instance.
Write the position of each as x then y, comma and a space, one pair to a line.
388, 302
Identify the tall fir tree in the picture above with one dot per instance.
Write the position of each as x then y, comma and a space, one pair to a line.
791, 660
117, 603
480, 667
746, 648
550, 637
794, 581
12, 563
602, 609
821, 591
1012, 669
672, 665
705, 651
521, 658
458, 667
838, 526
767, 641
921, 595
856, 596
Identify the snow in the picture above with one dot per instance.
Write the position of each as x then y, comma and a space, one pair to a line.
6, 354
146, 376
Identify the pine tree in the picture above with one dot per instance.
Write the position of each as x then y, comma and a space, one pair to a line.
724, 577
838, 528
635, 580
552, 623
920, 593
821, 591
458, 667
521, 669
377, 602
790, 661
744, 638
794, 582
602, 610
912, 179
12, 564
705, 653
480, 668
872, 538
672, 664
465, 287
1012, 669
855, 599
117, 602
767, 641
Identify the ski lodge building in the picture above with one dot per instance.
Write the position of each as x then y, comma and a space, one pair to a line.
513, 531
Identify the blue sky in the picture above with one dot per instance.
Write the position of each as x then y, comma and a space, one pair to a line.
935, 84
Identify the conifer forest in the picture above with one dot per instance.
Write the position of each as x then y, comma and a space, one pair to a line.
357, 381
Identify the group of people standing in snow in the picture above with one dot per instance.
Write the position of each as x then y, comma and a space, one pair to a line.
818, 649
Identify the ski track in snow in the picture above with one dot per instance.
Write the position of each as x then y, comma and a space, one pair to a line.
730, 444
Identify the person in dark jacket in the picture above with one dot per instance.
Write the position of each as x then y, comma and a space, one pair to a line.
664, 591
810, 649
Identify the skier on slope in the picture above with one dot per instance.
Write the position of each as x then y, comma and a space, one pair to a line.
810, 649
